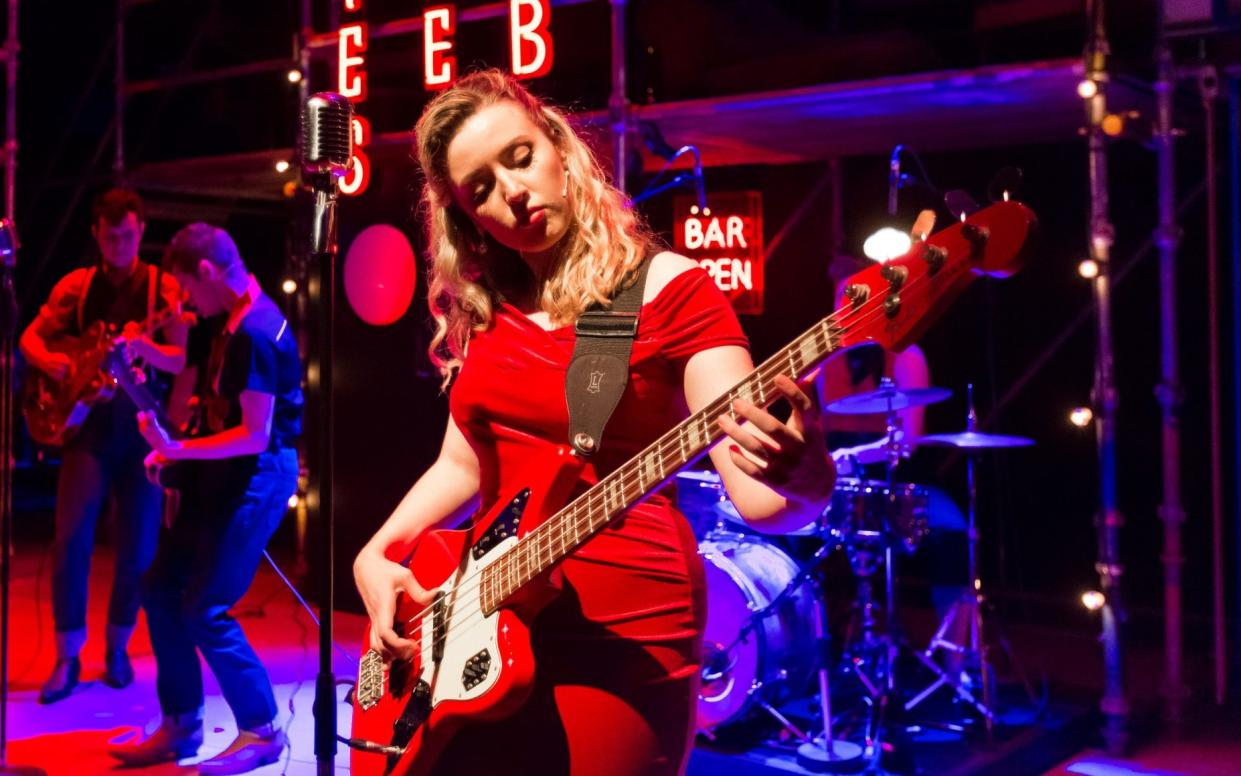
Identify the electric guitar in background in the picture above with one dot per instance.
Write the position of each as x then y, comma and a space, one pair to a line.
56, 409
472, 659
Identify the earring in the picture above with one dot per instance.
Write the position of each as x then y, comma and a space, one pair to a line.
565, 191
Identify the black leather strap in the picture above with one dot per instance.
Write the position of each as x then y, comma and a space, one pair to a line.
599, 371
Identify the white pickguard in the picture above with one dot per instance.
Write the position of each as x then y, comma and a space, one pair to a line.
469, 633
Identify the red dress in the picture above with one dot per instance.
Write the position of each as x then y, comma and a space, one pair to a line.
617, 653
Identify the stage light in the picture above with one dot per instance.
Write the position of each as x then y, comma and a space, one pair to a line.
294, 501
1089, 269
1081, 416
282, 166
1113, 124
1093, 600
289, 286
693, 210
295, 76
1087, 89
887, 244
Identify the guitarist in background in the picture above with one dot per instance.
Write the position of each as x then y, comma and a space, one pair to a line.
526, 233
245, 469
104, 459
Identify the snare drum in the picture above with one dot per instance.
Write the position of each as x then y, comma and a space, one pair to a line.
745, 658
865, 511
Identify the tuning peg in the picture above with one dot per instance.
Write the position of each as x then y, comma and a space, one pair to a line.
960, 204
1004, 185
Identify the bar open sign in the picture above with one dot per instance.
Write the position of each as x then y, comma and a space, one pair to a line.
726, 239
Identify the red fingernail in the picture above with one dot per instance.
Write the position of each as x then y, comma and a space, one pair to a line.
735, 448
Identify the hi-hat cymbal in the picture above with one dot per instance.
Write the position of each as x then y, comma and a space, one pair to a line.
887, 399
974, 440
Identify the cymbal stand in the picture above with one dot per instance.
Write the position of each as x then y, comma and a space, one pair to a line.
969, 605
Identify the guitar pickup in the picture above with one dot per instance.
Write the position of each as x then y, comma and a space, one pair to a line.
439, 616
370, 680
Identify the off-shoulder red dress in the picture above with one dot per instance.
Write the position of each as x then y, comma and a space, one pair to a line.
617, 653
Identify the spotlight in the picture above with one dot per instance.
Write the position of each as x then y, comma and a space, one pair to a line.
1087, 89
887, 244
294, 501
295, 76
1081, 417
693, 210
282, 166
289, 286
1093, 600
1089, 269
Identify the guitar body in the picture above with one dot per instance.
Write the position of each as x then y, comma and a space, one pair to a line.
468, 665
56, 409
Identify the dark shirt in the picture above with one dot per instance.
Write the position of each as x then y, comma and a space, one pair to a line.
261, 355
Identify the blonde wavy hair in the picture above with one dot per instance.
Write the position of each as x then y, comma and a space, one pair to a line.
470, 272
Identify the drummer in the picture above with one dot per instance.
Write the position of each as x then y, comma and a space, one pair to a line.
860, 440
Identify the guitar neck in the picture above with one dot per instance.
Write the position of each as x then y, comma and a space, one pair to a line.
136, 391
629, 484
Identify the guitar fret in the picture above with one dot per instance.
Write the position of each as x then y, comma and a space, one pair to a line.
650, 474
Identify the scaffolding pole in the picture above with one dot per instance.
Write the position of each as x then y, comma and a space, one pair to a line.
1169, 393
1114, 704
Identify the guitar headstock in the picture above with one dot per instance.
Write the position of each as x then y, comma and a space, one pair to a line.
892, 304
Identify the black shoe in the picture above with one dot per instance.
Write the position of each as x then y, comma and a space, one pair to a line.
117, 672
62, 681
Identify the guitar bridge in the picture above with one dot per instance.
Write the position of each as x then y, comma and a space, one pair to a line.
370, 680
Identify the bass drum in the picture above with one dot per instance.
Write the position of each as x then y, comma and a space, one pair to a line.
747, 658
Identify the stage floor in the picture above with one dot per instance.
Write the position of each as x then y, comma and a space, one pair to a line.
70, 738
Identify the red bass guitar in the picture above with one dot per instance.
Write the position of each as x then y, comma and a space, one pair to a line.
473, 659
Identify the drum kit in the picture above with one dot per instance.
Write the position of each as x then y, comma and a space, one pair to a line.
767, 636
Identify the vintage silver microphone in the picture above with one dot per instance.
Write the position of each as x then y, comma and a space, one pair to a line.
325, 147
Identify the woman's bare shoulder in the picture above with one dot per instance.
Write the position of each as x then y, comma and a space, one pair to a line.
665, 266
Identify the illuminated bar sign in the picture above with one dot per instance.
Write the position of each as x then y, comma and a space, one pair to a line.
726, 240
530, 56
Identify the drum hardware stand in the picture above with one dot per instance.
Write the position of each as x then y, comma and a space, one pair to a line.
882, 650
970, 605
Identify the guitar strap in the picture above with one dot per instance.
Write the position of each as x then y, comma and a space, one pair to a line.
599, 370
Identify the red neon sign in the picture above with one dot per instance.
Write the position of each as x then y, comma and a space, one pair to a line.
351, 69
439, 68
727, 241
530, 42
359, 175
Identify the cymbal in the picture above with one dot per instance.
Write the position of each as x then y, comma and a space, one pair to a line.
886, 399
974, 440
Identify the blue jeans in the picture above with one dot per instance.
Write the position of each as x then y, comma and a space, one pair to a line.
103, 459
204, 565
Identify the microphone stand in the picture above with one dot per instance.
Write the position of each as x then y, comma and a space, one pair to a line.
8, 332
323, 252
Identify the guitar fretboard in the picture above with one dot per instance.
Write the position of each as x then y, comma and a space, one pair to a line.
557, 536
